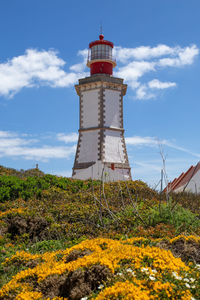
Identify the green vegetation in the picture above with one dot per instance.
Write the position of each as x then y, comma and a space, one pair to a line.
181, 218
42, 213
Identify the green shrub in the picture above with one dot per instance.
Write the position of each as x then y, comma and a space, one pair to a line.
4, 193
13, 187
49, 245
181, 218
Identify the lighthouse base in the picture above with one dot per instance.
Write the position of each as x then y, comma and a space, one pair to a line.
108, 172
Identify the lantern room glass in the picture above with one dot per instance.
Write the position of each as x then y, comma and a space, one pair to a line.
101, 51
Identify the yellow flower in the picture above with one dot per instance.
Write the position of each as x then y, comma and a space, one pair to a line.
107, 252
11, 211
29, 296
126, 290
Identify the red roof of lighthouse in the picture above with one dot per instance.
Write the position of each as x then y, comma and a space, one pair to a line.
101, 41
100, 59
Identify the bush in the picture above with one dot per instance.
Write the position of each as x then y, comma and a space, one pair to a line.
181, 218
13, 187
10, 187
4, 193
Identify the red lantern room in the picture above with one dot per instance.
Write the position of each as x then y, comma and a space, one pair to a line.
100, 60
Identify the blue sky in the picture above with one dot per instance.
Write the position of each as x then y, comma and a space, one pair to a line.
42, 55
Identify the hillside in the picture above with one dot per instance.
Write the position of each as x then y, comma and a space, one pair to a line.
70, 239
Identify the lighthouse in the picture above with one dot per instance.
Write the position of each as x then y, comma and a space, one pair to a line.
101, 150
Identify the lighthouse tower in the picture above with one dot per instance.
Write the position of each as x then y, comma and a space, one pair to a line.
101, 149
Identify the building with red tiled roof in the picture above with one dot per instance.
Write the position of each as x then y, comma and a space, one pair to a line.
186, 182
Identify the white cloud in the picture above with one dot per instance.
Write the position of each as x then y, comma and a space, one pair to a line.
134, 70
182, 149
43, 153
67, 138
184, 56
156, 84
155, 141
22, 147
38, 68
146, 162
144, 141
34, 68
78, 67
143, 52
134, 63
12, 142
83, 53
48, 152
142, 92
81, 66
5, 134
148, 166
180, 56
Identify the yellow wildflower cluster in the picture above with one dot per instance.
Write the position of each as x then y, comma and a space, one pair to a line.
136, 239
124, 289
167, 287
29, 295
139, 291
11, 211
35, 296
22, 256
186, 238
150, 262
9, 245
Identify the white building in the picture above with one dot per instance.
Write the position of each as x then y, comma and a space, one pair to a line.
186, 182
101, 149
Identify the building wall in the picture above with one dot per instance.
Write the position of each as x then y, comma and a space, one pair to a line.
90, 108
98, 169
194, 184
112, 101
101, 107
113, 147
89, 146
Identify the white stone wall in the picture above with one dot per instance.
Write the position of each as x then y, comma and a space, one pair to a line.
194, 184
112, 142
89, 146
124, 172
113, 147
112, 108
95, 172
90, 101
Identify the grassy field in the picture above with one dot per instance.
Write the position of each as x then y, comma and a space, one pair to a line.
70, 239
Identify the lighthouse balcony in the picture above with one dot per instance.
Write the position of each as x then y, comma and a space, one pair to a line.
100, 56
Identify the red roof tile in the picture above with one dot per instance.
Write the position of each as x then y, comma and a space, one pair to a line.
183, 179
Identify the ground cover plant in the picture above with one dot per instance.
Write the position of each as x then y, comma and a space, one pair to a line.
111, 239
104, 269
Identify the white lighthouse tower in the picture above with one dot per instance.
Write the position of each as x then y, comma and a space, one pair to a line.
101, 149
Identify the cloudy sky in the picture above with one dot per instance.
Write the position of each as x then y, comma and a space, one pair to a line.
43, 53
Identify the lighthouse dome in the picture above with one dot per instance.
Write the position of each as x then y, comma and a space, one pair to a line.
100, 59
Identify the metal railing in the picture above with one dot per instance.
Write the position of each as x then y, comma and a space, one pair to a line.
100, 55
